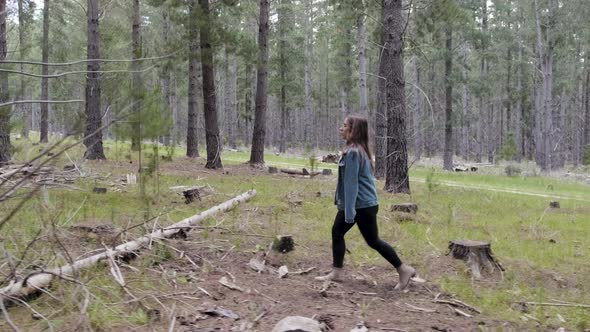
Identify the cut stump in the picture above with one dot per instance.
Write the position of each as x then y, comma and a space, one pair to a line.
326, 171
283, 243
99, 190
477, 255
273, 170
405, 207
554, 205
190, 195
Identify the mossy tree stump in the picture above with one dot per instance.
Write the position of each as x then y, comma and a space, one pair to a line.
477, 255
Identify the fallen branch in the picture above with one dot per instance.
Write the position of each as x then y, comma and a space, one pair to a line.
575, 305
457, 303
36, 282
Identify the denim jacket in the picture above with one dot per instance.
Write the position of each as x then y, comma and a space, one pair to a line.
356, 187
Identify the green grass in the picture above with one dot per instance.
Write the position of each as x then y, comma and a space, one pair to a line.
543, 251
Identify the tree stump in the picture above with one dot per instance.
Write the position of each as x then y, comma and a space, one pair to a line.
477, 255
405, 207
330, 158
283, 243
554, 205
297, 324
326, 171
273, 170
99, 190
190, 195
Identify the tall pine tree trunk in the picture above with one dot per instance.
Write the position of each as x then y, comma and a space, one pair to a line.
4, 111
518, 137
212, 138
381, 112
465, 123
23, 47
93, 140
397, 178
546, 61
165, 74
362, 57
448, 150
192, 142
45, 71
310, 135
282, 77
258, 136
137, 83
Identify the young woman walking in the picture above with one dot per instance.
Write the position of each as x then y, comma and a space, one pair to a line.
356, 199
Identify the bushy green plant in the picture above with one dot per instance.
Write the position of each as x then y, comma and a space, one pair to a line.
508, 150
512, 170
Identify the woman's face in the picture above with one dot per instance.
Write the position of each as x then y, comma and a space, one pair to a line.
345, 131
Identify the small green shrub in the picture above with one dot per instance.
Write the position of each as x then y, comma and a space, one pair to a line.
512, 170
508, 150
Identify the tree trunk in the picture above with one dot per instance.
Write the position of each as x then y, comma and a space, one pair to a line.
282, 77
381, 113
23, 47
518, 137
45, 71
258, 136
362, 56
397, 178
465, 123
4, 111
448, 152
309, 116
418, 106
93, 140
192, 142
546, 61
229, 104
137, 83
586, 137
212, 138
165, 74
248, 94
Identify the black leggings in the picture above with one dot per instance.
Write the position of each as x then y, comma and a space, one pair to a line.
366, 219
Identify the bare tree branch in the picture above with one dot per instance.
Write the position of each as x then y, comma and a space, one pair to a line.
61, 64
74, 72
16, 102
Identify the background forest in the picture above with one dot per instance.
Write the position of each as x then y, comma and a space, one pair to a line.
484, 80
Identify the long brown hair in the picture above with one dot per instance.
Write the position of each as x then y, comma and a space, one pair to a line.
359, 130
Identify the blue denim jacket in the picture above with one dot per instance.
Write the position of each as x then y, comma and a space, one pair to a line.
356, 187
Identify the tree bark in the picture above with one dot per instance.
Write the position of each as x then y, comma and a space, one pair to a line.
23, 47
397, 178
381, 111
212, 138
93, 140
258, 136
192, 142
45, 71
5, 148
165, 75
362, 57
546, 60
310, 134
586, 137
518, 137
448, 150
283, 67
137, 83
465, 123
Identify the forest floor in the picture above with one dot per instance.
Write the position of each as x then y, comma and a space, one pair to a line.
176, 284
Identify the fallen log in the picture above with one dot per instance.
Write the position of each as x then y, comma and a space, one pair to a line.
34, 282
304, 171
